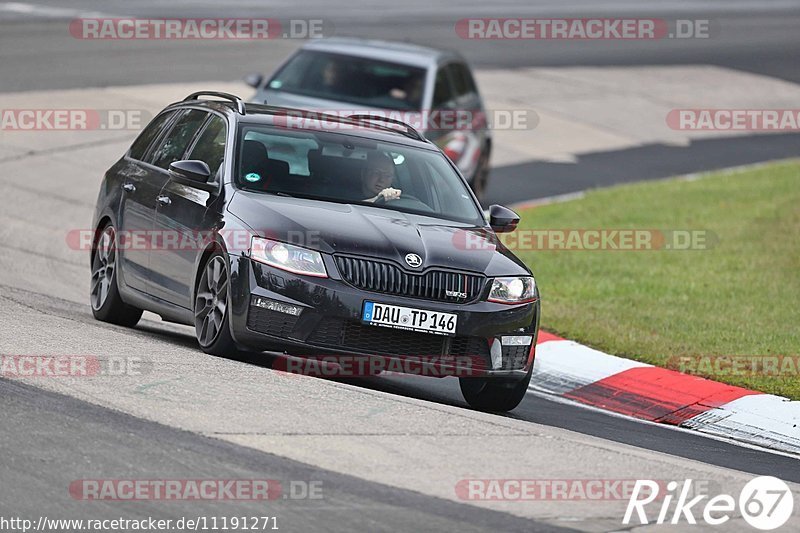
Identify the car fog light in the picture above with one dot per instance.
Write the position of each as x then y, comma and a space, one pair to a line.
280, 307
516, 340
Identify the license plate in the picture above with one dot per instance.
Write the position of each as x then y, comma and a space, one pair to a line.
395, 316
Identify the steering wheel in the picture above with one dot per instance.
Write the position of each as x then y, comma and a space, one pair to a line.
382, 199
407, 201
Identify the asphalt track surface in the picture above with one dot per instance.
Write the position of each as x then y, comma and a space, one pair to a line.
123, 443
541, 179
752, 35
74, 431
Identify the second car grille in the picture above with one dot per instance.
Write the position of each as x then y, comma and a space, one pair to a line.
377, 276
345, 334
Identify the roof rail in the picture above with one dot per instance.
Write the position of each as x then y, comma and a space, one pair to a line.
410, 132
225, 96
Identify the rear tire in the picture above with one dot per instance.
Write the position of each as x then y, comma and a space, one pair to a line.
107, 304
211, 308
490, 395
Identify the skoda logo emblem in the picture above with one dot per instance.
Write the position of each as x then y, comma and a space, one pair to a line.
413, 260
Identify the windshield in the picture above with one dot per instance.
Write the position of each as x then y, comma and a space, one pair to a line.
343, 168
354, 80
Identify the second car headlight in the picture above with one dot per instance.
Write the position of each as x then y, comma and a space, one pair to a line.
513, 290
288, 257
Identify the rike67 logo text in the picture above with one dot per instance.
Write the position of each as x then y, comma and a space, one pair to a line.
765, 503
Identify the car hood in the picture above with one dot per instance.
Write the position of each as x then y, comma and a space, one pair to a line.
375, 232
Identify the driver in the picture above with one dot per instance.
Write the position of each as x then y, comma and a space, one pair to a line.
377, 177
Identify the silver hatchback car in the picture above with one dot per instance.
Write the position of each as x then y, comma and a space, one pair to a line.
431, 89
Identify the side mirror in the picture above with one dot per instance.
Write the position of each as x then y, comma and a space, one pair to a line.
254, 80
502, 219
191, 172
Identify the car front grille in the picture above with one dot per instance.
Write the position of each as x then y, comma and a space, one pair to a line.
387, 278
348, 335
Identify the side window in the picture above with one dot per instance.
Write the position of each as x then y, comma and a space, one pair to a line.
174, 145
210, 147
462, 79
469, 80
442, 92
150, 133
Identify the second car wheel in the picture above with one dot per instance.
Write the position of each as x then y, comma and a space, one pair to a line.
211, 308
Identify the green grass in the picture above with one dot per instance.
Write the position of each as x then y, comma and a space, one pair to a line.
739, 297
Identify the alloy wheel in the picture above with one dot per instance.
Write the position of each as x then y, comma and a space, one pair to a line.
211, 301
103, 265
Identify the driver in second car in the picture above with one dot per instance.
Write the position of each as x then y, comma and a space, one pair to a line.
377, 178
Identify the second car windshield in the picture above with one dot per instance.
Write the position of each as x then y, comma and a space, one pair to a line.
350, 169
354, 80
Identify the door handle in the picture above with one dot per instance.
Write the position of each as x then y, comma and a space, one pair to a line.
130, 187
163, 200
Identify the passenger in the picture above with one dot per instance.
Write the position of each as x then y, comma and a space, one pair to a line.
377, 177
410, 96
413, 92
333, 77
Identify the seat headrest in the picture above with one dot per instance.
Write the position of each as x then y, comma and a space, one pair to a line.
254, 153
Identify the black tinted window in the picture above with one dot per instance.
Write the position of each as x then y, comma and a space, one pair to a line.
461, 78
150, 133
442, 92
469, 80
210, 147
175, 144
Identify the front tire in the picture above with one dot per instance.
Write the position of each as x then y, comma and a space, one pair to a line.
211, 309
107, 304
490, 395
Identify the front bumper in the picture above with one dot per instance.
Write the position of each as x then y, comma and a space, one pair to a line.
325, 318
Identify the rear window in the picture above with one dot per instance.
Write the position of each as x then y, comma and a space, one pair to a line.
354, 80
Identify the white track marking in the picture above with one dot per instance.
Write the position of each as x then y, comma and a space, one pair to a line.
560, 399
763, 420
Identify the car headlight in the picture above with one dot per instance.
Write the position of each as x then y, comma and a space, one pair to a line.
513, 290
288, 257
